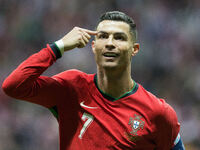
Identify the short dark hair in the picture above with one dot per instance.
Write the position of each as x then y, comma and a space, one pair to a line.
120, 16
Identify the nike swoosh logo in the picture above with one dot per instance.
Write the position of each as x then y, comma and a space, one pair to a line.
83, 105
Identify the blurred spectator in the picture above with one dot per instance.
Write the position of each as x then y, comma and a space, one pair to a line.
168, 64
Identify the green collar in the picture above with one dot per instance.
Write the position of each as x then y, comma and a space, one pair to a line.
111, 98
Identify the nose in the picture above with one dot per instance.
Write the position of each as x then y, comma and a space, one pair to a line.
110, 45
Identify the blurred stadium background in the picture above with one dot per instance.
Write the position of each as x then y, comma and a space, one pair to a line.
167, 65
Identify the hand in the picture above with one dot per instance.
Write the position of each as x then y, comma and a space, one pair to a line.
77, 37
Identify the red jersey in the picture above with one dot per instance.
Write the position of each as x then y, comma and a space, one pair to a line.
88, 118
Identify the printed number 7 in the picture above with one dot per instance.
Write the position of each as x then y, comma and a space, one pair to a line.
87, 123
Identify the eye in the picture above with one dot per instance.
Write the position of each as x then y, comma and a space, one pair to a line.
119, 37
102, 36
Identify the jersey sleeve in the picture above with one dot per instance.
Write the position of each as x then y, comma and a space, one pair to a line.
26, 82
167, 127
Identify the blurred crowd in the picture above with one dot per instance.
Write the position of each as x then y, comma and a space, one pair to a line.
168, 63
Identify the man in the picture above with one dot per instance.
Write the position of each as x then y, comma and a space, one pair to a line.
106, 110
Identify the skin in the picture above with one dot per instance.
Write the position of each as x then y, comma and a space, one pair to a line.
111, 37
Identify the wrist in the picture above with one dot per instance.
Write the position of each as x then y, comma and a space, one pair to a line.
60, 46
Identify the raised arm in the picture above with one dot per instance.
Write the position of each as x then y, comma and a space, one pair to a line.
26, 82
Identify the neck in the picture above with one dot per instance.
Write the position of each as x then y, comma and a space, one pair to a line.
115, 82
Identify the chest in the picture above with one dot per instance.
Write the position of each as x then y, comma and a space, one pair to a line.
118, 125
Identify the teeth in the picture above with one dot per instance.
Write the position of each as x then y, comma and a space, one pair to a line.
110, 55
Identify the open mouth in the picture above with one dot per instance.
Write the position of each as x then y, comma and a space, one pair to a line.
110, 54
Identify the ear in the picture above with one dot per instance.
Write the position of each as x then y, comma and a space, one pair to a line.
135, 49
93, 46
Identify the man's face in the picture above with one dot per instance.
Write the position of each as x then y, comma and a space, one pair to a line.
113, 46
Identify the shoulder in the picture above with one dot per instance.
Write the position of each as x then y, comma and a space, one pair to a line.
163, 117
161, 110
150, 98
73, 76
156, 102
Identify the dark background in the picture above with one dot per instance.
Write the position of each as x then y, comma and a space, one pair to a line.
168, 64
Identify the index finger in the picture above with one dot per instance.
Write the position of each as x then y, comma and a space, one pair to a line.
90, 32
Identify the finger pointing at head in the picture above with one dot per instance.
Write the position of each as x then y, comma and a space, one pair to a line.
90, 32
86, 34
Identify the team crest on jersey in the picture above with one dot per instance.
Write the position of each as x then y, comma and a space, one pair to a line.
136, 124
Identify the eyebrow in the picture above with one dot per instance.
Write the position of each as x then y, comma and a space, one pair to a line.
102, 32
118, 33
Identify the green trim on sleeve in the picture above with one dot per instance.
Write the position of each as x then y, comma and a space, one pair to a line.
54, 111
60, 45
